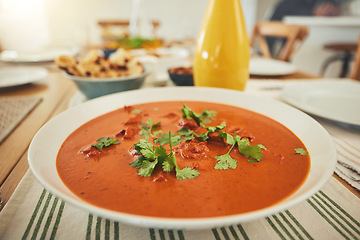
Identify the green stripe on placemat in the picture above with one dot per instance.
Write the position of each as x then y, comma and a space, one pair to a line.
335, 216
33, 229
286, 226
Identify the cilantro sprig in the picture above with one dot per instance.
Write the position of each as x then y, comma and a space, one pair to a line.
152, 157
105, 142
205, 117
153, 154
149, 158
225, 161
188, 134
164, 139
148, 127
253, 152
190, 114
171, 163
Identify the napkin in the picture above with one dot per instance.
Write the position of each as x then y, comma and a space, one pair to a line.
346, 138
34, 213
12, 111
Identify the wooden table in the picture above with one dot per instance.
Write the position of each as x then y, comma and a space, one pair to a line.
56, 92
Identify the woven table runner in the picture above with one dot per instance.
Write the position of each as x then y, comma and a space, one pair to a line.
34, 213
12, 111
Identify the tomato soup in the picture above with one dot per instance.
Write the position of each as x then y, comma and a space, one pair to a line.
219, 160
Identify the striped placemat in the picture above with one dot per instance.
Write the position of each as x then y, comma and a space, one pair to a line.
12, 111
34, 213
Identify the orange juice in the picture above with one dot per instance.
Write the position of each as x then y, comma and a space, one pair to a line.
222, 53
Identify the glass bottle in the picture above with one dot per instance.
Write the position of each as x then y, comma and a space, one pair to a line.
222, 51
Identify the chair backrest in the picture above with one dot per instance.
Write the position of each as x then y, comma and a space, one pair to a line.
293, 35
355, 74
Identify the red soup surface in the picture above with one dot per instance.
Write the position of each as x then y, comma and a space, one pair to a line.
265, 171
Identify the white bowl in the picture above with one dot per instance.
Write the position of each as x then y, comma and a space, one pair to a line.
42, 160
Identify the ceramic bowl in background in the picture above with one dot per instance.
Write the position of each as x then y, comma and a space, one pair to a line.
182, 76
96, 87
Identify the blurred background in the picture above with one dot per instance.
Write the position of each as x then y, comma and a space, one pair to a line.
27, 25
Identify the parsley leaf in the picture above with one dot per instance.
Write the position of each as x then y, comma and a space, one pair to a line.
148, 127
217, 128
227, 137
150, 157
186, 173
105, 142
208, 115
190, 114
248, 151
202, 137
186, 134
300, 151
226, 161
165, 139
136, 111
147, 149
138, 162
147, 168
252, 152
170, 163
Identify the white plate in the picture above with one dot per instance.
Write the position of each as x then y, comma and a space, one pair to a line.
337, 100
15, 76
42, 160
270, 67
46, 55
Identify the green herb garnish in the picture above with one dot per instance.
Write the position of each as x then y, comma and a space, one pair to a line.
208, 116
186, 134
152, 157
165, 139
190, 114
181, 174
202, 137
226, 161
105, 142
148, 127
250, 151
136, 111
300, 151
217, 128
155, 156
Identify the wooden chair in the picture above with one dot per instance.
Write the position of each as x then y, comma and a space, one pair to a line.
292, 36
355, 73
344, 52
